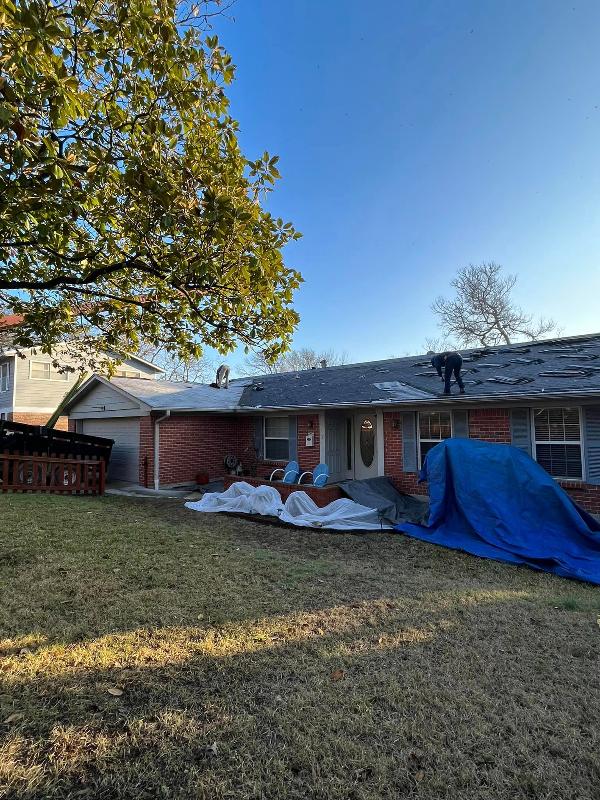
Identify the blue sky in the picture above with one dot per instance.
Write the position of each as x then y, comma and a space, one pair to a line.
417, 137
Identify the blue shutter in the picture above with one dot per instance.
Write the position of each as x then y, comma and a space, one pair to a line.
409, 442
259, 437
460, 424
591, 437
293, 434
520, 429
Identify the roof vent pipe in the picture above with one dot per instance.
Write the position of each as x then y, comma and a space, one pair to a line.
323, 363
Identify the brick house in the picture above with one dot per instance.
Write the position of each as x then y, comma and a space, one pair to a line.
363, 420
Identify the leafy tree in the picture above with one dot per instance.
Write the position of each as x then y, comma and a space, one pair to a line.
128, 213
291, 361
483, 312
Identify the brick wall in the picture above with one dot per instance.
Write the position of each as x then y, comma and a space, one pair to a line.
30, 418
195, 443
486, 424
321, 496
585, 494
490, 425
308, 457
146, 465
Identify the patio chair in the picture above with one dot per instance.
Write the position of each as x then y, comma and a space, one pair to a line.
320, 475
290, 472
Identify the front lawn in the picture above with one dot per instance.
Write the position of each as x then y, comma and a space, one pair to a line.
147, 651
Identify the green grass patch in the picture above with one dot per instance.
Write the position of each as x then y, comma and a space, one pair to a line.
148, 651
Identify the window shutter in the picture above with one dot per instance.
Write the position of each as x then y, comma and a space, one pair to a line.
591, 435
259, 437
520, 429
293, 434
409, 442
460, 424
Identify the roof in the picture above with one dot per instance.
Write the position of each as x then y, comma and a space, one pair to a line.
556, 367
174, 395
10, 320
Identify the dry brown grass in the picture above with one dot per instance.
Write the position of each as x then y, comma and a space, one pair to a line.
257, 662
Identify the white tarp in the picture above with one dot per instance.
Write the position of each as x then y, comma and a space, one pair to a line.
298, 509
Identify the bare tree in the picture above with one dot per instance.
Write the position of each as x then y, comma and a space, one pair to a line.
293, 360
194, 370
483, 311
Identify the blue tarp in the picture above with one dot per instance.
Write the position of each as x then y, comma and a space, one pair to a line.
494, 501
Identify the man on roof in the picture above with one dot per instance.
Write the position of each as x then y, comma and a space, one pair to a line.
452, 363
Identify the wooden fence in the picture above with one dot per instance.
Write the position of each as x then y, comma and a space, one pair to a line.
35, 473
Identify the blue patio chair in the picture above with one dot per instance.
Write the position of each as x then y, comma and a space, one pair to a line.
290, 472
320, 475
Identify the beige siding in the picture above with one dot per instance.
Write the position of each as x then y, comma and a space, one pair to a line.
104, 401
133, 367
34, 394
6, 398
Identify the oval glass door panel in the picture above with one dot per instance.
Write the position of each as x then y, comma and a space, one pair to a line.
367, 442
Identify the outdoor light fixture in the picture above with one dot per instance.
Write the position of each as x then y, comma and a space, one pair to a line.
310, 424
395, 424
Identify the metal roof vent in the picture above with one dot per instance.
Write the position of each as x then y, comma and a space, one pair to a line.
323, 363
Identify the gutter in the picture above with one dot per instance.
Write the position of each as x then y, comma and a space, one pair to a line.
166, 415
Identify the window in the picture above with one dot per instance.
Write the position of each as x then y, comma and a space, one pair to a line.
557, 437
123, 373
4, 377
45, 371
367, 441
277, 438
434, 427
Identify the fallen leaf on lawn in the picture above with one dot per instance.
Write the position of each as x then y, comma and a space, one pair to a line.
337, 674
419, 775
210, 750
320, 631
115, 691
16, 717
24, 651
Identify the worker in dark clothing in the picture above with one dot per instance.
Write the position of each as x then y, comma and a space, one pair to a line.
452, 363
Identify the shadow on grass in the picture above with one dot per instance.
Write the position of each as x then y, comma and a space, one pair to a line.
377, 699
321, 666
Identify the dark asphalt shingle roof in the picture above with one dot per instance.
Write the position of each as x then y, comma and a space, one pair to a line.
568, 364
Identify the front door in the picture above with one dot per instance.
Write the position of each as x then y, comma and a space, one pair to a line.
338, 446
365, 446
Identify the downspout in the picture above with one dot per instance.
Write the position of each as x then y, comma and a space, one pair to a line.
166, 415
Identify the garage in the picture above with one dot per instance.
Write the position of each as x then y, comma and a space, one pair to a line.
125, 457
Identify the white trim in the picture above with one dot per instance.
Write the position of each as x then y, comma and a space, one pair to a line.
118, 412
380, 443
7, 365
87, 384
64, 376
34, 409
580, 442
286, 417
437, 441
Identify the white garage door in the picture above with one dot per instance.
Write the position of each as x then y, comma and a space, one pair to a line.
125, 457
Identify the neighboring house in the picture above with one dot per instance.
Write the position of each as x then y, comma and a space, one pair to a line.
31, 387
363, 420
